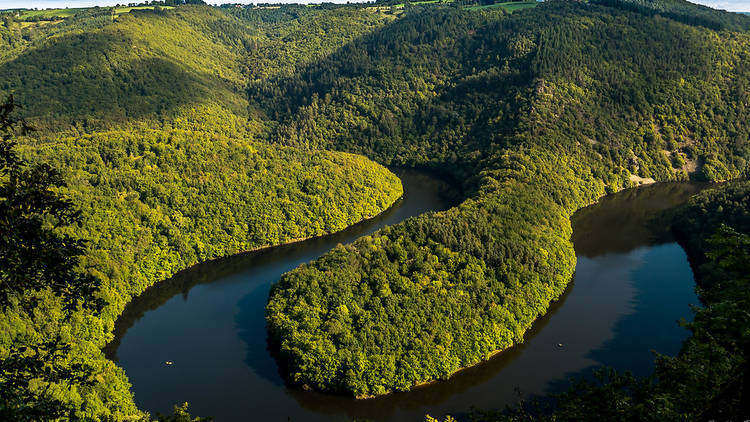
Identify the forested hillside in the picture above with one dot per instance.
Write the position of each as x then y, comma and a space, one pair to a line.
147, 120
542, 112
186, 68
709, 378
165, 66
196, 132
446, 85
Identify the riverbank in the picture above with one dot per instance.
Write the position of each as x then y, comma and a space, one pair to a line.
211, 325
628, 216
216, 310
708, 379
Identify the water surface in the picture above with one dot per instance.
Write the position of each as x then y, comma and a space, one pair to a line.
632, 284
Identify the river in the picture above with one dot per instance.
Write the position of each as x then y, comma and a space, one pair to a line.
632, 284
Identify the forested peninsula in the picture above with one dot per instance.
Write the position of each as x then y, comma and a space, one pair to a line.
189, 133
708, 379
542, 111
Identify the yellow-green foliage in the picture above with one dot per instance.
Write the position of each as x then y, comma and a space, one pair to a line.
145, 67
309, 35
538, 113
156, 202
150, 69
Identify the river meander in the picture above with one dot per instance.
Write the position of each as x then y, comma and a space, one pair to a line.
632, 284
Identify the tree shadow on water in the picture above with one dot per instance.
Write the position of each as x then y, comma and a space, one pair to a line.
413, 404
251, 327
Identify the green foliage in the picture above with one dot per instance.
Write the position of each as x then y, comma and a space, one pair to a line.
685, 12
147, 68
34, 254
26, 375
181, 414
706, 212
540, 113
186, 67
294, 36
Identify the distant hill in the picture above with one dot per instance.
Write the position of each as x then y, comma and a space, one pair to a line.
684, 11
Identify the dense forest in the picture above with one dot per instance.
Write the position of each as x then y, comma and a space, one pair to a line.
542, 112
189, 133
709, 378
149, 209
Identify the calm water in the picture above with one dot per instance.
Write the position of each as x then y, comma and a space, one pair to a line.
632, 285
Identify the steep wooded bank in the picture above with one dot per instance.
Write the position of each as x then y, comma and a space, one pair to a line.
541, 113
151, 208
712, 366
709, 378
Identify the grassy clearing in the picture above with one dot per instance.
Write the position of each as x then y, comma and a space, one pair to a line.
511, 6
48, 13
121, 10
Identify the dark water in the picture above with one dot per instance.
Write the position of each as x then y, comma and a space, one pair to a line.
632, 285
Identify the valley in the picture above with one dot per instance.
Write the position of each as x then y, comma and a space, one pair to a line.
169, 137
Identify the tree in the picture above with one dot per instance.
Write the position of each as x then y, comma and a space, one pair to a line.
34, 254
43, 363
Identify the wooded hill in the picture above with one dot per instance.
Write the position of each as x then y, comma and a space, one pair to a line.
539, 113
152, 138
709, 378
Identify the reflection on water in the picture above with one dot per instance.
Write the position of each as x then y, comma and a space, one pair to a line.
629, 219
630, 275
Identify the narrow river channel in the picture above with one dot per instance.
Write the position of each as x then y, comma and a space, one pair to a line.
632, 284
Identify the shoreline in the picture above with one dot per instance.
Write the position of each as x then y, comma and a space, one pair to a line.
637, 184
491, 355
217, 259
